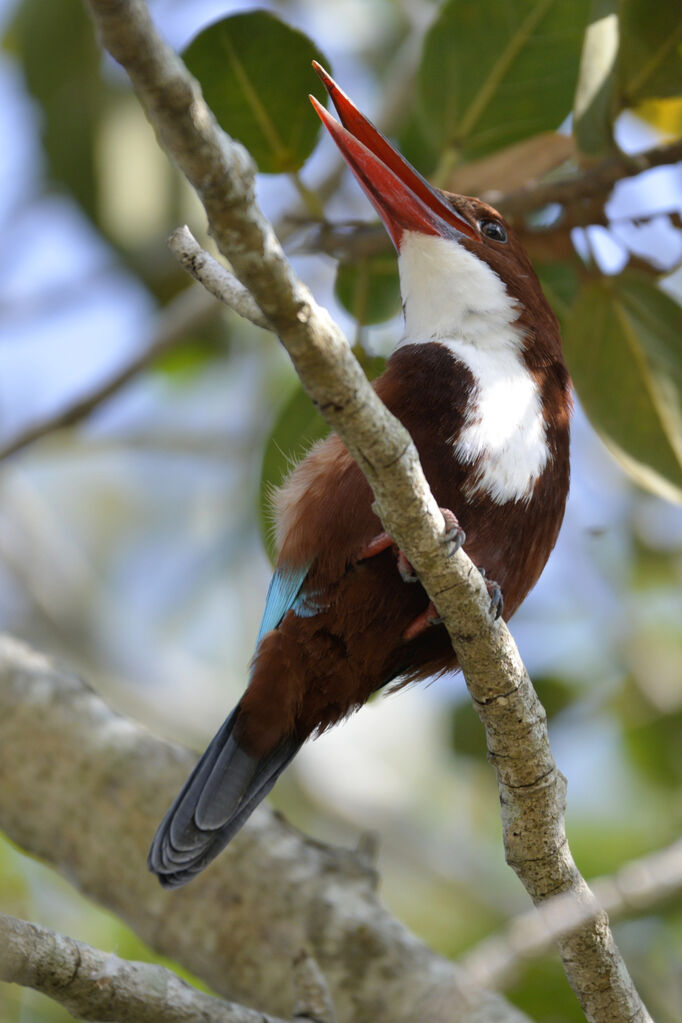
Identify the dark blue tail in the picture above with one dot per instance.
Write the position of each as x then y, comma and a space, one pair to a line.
222, 791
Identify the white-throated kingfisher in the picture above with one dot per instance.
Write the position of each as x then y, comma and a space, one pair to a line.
479, 381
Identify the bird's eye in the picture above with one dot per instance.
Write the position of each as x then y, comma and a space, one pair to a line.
493, 229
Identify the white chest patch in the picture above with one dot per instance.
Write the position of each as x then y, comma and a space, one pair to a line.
453, 298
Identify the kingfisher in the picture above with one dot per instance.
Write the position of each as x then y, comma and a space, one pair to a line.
479, 381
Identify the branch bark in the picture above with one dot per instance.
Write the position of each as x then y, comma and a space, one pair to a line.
214, 277
87, 799
531, 788
95, 985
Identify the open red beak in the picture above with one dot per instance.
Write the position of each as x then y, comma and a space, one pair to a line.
404, 200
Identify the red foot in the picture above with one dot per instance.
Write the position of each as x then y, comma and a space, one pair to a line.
379, 544
422, 622
375, 546
453, 534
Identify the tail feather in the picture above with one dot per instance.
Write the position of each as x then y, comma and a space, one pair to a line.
221, 793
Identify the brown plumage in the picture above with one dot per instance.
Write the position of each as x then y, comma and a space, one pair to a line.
338, 658
480, 384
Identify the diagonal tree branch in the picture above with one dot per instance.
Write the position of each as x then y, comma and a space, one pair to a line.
95, 985
531, 788
87, 801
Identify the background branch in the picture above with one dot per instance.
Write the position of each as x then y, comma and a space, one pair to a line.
87, 801
531, 788
637, 887
581, 194
189, 309
597, 180
95, 985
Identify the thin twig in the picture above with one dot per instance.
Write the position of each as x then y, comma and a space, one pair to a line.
585, 184
190, 308
635, 888
216, 278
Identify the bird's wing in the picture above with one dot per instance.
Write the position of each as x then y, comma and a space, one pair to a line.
283, 593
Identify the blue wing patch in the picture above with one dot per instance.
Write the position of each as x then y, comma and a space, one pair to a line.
283, 591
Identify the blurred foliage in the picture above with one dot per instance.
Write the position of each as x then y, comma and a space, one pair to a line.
541, 992
493, 74
626, 331
111, 513
70, 91
196, 354
650, 54
631, 53
369, 289
594, 104
254, 71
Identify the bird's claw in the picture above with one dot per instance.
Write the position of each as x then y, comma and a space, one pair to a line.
496, 596
407, 573
454, 534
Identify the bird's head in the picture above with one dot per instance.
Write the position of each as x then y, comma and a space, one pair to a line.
463, 271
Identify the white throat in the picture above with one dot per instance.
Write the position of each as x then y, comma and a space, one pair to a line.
451, 297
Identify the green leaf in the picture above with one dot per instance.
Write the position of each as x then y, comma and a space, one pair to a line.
370, 288
415, 145
61, 61
255, 74
654, 748
495, 72
651, 721
594, 106
297, 427
650, 59
555, 694
541, 991
195, 354
622, 345
467, 733
560, 283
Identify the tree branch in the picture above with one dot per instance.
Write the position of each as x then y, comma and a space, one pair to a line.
95, 985
634, 888
190, 308
531, 788
216, 278
87, 800
582, 194
597, 180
